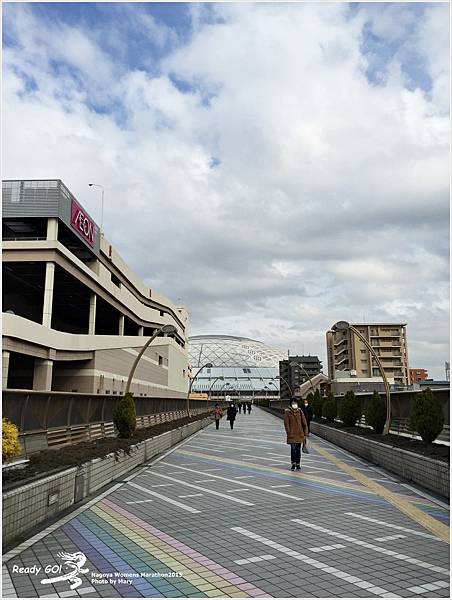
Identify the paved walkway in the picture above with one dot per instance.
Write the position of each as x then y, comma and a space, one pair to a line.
222, 515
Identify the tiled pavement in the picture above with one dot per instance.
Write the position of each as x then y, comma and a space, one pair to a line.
223, 516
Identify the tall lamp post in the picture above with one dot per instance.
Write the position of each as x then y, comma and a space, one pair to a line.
344, 326
221, 378
274, 384
166, 329
102, 208
209, 366
287, 383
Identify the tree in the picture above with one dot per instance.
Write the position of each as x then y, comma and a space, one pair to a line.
10, 440
125, 416
427, 417
330, 408
376, 413
310, 397
317, 404
349, 409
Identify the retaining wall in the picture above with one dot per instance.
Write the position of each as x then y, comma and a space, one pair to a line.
27, 506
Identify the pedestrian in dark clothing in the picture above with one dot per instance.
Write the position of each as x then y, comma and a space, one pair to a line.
218, 413
231, 414
297, 430
308, 414
240, 407
249, 407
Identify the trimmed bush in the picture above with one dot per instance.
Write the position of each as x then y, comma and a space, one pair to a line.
376, 413
125, 415
427, 417
10, 440
317, 404
330, 408
350, 409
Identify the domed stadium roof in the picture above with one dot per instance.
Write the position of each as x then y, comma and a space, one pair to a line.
231, 351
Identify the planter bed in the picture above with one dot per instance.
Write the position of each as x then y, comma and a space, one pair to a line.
424, 464
93, 465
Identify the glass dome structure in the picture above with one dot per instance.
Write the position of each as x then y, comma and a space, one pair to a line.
240, 366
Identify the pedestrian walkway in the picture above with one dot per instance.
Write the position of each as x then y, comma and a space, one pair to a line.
223, 516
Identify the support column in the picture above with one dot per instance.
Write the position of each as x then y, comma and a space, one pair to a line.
52, 229
5, 368
42, 378
121, 325
48, 294
92, 314
141, 331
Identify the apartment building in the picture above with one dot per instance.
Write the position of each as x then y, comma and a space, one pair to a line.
346, 352
294, 371
417, 375
75, 316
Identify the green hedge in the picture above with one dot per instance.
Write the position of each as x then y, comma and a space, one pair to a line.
427, 417
376, 413
125, 416
317, 405
330, 408
349, 409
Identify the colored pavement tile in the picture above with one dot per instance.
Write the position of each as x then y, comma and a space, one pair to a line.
327, 534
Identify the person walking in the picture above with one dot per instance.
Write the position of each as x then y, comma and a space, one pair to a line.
218, 413
297, 430
231, 414
249, 407
308, 414
240, 407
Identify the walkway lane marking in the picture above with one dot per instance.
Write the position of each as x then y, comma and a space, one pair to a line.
361, 583
203, 489
250, 485
390, 538
392, 526
164, 498
397, 555
405, 506
429, 587
191, 495
253, 559
139, 501
325, 548
204, 448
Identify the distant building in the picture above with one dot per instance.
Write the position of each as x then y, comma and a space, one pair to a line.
295, 371
417, 375
346, 352
434, 384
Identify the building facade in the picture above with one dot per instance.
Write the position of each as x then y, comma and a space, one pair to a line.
417, 375
346, 352
75, 315
294, 371
241, 368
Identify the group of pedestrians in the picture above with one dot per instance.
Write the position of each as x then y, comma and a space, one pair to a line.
231, 412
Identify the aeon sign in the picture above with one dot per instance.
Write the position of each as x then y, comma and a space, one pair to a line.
82, 223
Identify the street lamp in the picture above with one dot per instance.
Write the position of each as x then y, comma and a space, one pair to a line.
166, 329
209, 366
287, 383
221, 378
102, 211
274, 384
344, 326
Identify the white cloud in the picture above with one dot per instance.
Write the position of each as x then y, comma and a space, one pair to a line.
330, 198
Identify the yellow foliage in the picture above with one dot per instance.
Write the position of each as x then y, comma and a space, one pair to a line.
10, 440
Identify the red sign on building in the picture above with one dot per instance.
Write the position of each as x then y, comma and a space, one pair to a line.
82, 223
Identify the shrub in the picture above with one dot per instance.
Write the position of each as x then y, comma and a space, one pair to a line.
376, 413
350, 409
427, 417
124, 416
317, 404
330, 408
10, 440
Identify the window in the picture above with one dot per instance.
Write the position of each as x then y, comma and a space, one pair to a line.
160, 360
115, 280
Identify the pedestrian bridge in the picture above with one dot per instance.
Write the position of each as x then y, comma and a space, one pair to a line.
221, 515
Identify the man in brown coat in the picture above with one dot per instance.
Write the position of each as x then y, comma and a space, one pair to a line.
296, 429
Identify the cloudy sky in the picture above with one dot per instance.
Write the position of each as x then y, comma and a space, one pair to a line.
274, 167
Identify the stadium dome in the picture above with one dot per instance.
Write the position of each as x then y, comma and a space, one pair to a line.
241, 367
230, 351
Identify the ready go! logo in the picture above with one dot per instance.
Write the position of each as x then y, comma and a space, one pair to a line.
74, 562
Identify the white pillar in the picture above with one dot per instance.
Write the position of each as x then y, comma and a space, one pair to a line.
92, 314
121, 325
42, 377
5, 368
48, 294
141, 331
52, 229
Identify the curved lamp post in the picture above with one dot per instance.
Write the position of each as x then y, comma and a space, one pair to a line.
274, 384
209, 366
164, 329
225, 385
343, 326
287, 383
221, 378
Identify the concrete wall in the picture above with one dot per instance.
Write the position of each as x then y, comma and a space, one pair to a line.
426, 472
27, 506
